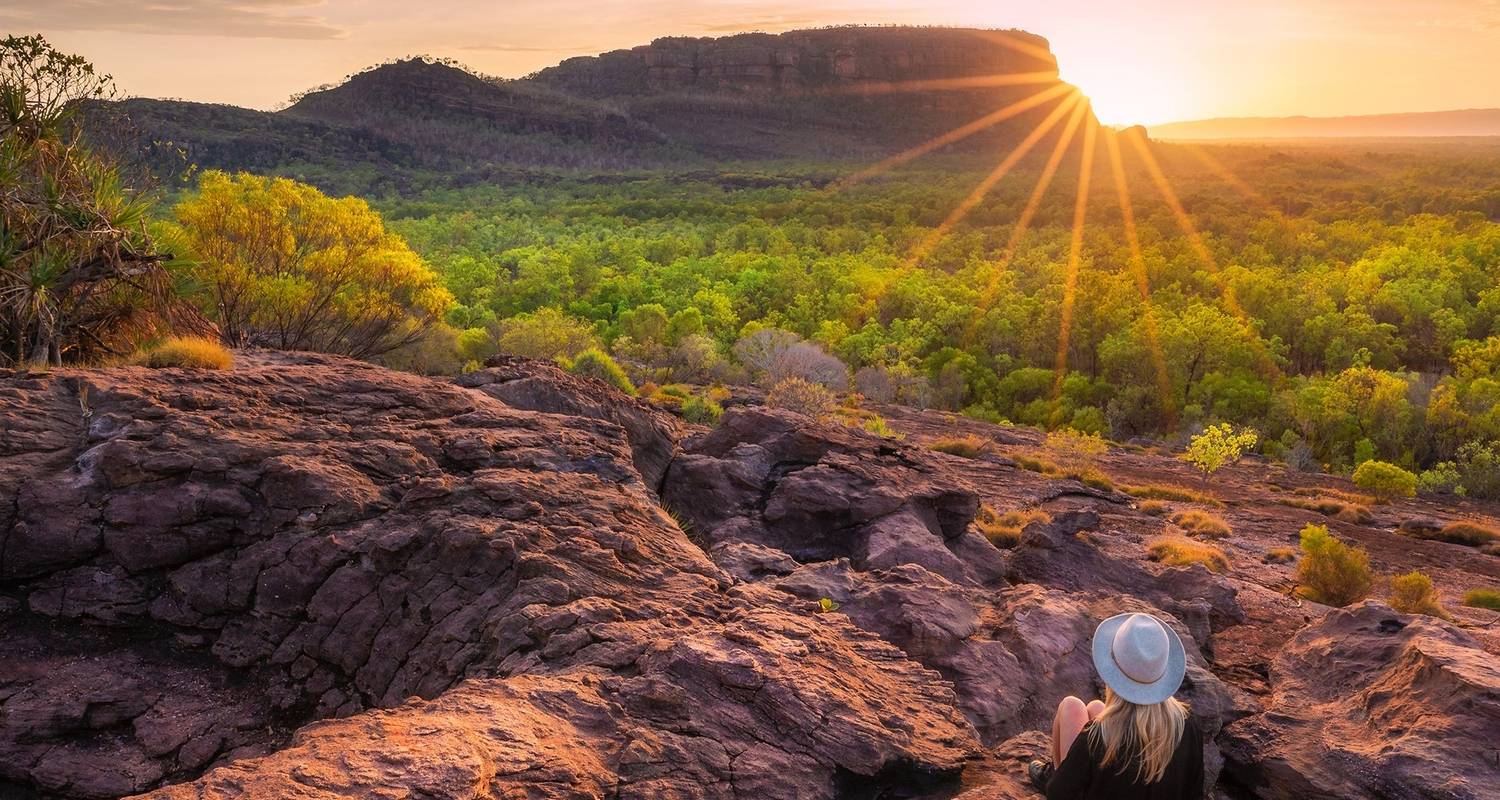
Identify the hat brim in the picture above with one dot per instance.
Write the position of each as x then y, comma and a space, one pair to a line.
1142, 694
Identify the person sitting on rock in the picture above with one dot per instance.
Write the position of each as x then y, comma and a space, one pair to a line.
1140, 741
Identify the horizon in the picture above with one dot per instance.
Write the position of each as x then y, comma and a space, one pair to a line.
1186, 62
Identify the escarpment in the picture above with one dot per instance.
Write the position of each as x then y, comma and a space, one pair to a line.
308, 576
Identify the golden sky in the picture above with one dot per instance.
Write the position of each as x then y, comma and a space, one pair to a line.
1142, 62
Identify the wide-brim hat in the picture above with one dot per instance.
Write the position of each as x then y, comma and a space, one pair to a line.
1140, 657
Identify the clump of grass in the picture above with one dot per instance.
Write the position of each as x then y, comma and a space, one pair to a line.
1179, 551
1003, 529
189, 352
1094, 478
1469, 533
1413, 593
877, 425
702, 410
1332, 572
1202, 524
1281, 555
1037, 464
969, 446
1176, 494
1483, 598
1155, 508
1341, 510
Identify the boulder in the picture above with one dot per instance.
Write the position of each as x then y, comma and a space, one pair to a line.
1368, 702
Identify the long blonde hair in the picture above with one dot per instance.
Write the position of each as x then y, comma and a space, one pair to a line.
1149, 734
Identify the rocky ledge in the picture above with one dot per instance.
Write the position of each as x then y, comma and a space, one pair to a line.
312, 577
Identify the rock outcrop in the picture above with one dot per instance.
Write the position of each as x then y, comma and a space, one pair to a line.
1369, 702
309, 537
312, 577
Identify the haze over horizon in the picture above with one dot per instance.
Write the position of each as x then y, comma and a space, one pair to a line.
1154, 62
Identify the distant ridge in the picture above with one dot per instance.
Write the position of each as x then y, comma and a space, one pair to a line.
844, 92
1465, 122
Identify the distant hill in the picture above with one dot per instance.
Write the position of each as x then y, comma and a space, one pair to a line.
847, 92
1468, 122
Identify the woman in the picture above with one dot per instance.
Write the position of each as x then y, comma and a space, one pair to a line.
1138, 743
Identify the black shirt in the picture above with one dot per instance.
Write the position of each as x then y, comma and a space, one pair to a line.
1079, 776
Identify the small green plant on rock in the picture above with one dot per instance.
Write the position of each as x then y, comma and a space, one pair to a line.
1332, 572
827, 606
1483, 598
1413, 593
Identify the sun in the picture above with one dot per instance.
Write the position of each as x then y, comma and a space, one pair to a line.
1138, 90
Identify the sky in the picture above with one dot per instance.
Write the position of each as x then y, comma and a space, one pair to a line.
1146, 62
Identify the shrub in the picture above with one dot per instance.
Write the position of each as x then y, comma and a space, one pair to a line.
1004, 529
1073, 449
701, 410
1469, 533
1201, 524
803, 397
1281, 555
1483, 598
1479, 464
1219, 445
1155, 508
1413, 593
1177, 551
970, 446
595, 363
1385, 480
1174, 493
1332, 572
1443, 478
190, 352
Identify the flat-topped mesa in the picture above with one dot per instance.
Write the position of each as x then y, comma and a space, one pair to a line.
806, 59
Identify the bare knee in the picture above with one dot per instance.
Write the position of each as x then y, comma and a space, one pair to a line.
1071, 706
1095, 708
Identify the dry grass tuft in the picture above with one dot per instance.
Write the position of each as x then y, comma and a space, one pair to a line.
1202, 524
1281, 555
970, 446
1176, 494
1470, 533
1155, 508
1338, 508
188, 352
1179, 551
1003, 529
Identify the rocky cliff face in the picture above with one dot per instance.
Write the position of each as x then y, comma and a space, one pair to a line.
312, 577
799, 60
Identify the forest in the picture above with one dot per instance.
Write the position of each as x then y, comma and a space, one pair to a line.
1342, 300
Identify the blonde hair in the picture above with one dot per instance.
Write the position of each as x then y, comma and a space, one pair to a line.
1148, 734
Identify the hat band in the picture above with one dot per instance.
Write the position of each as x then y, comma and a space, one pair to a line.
1131, 673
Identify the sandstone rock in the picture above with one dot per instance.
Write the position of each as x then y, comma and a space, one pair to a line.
306, 537
1369, 702
542, 386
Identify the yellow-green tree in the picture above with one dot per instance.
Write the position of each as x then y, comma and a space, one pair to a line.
1219, 445
282, 265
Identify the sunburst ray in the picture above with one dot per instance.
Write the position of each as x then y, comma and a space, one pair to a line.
957, 134
1199, 246
1142, 278
978, 193
1075, 255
